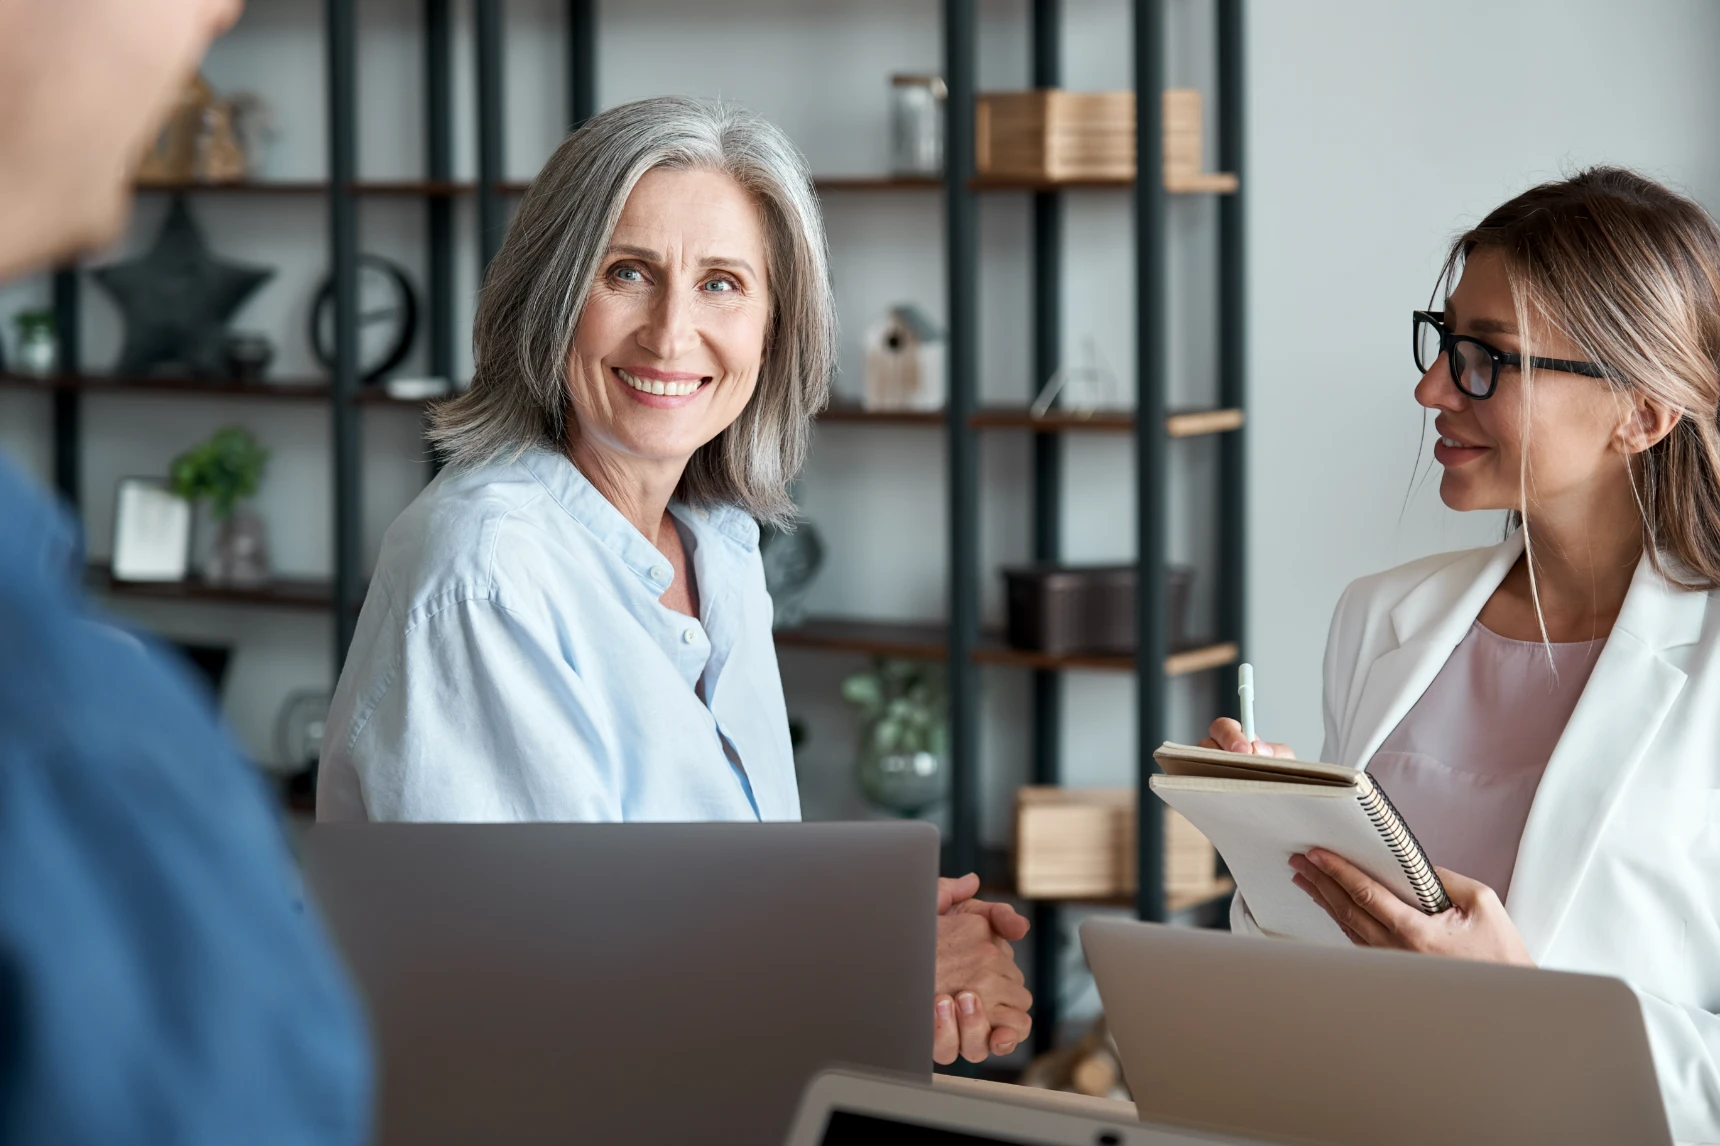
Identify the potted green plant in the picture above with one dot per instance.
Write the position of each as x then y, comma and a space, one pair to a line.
904, 735
38, 348
223, 472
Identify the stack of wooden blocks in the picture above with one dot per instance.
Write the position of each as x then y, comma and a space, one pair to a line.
1079, 843
1183, 146
1055, 136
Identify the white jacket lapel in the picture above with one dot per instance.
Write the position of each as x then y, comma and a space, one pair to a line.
1428, 623
1627, 697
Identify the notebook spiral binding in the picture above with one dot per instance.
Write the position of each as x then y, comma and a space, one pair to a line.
1405, 848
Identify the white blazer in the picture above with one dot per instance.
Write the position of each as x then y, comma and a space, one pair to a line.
1618, 872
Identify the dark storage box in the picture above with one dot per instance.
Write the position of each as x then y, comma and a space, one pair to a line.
1086, 609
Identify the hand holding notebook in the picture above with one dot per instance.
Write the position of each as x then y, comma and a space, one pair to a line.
1260, 810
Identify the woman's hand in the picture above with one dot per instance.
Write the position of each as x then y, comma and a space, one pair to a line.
982, 1001
1475, 927
1226, 734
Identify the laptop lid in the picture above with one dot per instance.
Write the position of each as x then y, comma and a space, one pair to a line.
1354, 1047
640, 983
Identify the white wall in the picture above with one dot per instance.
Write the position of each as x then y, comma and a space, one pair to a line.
1377, 132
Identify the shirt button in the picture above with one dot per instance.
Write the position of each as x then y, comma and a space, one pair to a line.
690, 636
659, 572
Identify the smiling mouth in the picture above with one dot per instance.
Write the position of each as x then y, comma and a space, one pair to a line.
659, 387
1457, 445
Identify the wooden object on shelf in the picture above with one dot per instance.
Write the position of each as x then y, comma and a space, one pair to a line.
1079, 843
1183, 145
1090, 1066
1194, 423
1054, 136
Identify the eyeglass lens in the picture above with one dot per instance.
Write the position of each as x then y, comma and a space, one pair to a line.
1426, 344
1471, 366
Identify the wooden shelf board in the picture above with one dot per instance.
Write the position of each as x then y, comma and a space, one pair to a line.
283, 593
1203, 183
296, 389
1179, 424
1211, 182
927, 641
428, 188
1022, 418
1187, 661
238, 187
1010, 183
873, 638
878, 183
401, 188
1194, 423
293, 389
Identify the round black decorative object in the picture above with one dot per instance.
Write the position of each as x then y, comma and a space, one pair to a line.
387, 318
177, 300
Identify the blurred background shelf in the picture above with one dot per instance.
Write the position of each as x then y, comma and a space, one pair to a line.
277, 593
1178, 424
269, 390
930, 642
282, 389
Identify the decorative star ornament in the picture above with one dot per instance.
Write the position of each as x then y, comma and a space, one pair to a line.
177, 300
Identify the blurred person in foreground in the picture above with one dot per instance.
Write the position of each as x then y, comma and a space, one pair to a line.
158, 981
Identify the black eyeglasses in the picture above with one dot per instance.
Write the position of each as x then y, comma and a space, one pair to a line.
1474, 364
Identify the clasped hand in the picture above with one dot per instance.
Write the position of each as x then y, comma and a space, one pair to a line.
982, 998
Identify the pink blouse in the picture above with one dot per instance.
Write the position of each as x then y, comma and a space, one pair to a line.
1463, 765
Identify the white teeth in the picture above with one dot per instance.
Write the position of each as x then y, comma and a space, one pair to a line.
667, 389
1453, 442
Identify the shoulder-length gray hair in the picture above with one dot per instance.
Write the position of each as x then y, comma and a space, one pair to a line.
536, 289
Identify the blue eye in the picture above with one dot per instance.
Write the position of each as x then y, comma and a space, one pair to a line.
619, 272
720, 286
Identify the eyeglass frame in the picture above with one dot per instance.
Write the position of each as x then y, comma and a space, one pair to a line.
1499, 358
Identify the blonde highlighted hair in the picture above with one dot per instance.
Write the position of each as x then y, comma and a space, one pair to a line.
1629, 271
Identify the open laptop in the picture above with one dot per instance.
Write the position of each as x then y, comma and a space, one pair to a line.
851, 1108
638, 983
1354, 1047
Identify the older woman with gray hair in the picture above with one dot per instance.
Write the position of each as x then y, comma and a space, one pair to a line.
571, 622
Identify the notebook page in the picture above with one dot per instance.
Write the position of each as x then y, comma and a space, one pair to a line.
1257, 825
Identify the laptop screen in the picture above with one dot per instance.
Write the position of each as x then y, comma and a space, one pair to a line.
846, 1128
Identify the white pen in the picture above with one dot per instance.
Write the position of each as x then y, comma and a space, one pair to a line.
1245, 690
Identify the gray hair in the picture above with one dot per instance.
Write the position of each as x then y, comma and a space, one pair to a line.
537, 285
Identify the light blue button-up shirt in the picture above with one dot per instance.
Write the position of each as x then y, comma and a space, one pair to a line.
514, 662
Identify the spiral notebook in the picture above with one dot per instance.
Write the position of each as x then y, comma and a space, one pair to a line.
1258, 811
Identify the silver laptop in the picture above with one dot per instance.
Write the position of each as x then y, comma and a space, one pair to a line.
639, 983
852, 1108
1355, 1047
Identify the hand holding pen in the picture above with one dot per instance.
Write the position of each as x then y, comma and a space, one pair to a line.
1238, 736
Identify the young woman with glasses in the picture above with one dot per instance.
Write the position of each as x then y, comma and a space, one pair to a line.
1545, 713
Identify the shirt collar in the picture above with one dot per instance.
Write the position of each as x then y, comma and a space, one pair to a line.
573, 491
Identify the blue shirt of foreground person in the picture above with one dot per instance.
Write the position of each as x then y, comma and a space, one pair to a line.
158, 981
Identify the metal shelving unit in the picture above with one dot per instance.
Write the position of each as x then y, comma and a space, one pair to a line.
961, 642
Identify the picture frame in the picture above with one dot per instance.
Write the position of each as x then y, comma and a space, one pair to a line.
151, 532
